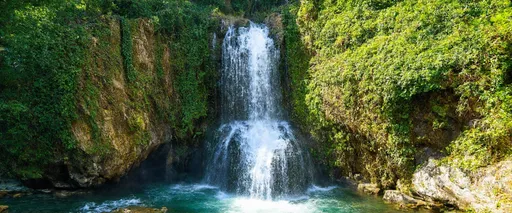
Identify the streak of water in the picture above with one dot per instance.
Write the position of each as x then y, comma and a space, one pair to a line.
255, 152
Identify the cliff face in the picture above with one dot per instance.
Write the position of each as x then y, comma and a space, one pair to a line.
487, 189
385, 91
122, 118
118, 124
87, 90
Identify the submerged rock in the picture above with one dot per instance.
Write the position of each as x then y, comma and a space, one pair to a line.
13, 188
485, 190
3, 209
139, 209
12, 185
68, 193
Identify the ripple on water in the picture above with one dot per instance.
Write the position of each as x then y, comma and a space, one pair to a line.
264, 206
315, 188
207, 198
108, 206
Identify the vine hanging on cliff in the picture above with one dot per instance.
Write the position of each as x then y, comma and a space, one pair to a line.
126, 50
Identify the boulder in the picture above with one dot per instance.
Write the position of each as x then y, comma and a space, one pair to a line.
358, 177
368, 188
12, 188
485, 190
401, 199
442, 183
3, 209
395, 196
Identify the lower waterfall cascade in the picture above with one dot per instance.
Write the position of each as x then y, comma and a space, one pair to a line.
255, 161
255, 152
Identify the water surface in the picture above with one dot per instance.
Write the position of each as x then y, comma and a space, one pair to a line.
201, 198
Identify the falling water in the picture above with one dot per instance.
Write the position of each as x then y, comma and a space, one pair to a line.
255, 152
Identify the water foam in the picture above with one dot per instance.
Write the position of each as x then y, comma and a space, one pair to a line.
255, 153
314, 188
109, 206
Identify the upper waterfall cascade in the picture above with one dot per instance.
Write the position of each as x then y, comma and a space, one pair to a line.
254, 152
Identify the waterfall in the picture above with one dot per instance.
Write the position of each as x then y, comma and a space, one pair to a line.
254, 152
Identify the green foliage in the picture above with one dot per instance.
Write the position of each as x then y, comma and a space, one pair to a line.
127, 50
136, 8
190, 29
245, 8
38, 84
89, 91
297, 63
489, 138
43, 62
372, 59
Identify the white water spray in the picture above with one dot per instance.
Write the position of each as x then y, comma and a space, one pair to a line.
255, 153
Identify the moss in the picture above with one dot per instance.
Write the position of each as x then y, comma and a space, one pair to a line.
127, 49
296, 65
73, 71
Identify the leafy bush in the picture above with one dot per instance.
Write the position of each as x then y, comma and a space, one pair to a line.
40, 64
45, 46
372, 60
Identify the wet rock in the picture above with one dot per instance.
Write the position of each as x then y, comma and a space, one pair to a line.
68, 193
228, 21
12, 188
139, 209
442, 183
275, 23
348, 182
358, 177
11, 185
3, 209
62, 185
488, 189
368, 188
401, 199
45, 191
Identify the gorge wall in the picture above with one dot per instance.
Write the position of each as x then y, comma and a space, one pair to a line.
121, 120
86, 99
408, 95
412, 97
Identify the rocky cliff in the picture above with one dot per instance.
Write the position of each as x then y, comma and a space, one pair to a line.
123, 118
119, 124
135, 89
486, 189
386, 89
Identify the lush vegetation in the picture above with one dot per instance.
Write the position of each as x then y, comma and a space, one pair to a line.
191, 55
380, 69
57, 56
375, 82
42, 58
